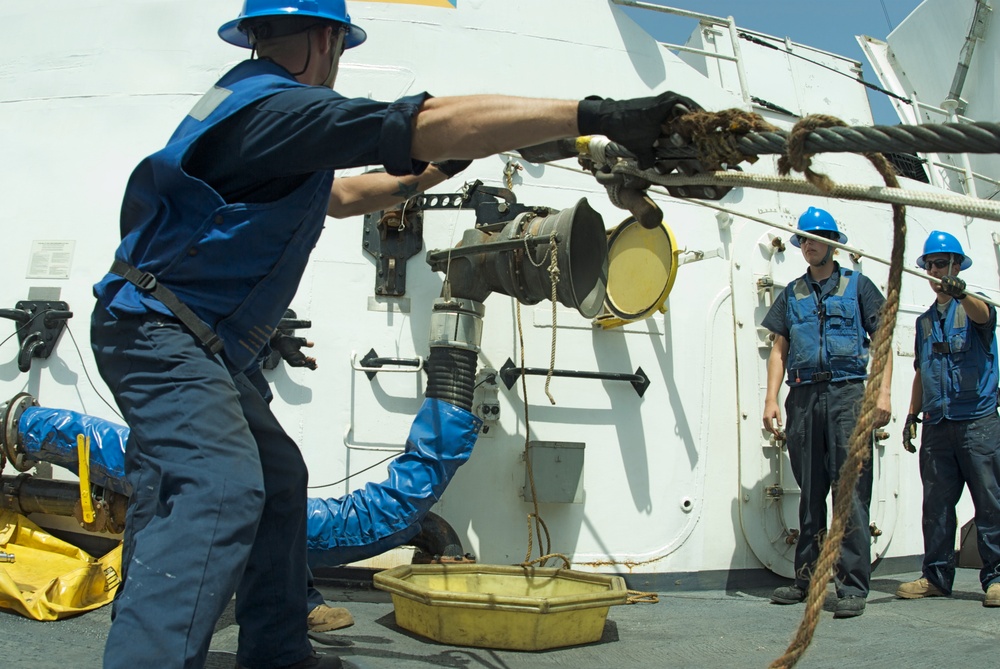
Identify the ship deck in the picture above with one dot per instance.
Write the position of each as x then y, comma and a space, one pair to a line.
733, 627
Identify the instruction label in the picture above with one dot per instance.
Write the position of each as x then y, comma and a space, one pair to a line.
51, 259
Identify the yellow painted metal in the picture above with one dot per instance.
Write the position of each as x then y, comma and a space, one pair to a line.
83, 455
506, 607
51, 579
642, 267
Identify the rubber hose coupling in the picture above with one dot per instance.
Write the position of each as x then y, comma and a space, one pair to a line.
456, 332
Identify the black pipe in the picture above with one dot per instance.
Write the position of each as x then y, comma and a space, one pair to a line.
26, 494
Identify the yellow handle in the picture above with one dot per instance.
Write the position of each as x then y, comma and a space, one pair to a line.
83, 455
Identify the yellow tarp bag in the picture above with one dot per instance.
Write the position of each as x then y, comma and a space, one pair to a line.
51, 579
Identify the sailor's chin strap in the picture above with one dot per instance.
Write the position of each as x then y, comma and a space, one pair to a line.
331, 75
253, 52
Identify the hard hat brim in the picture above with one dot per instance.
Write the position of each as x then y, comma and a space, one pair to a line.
965, 264
231, 33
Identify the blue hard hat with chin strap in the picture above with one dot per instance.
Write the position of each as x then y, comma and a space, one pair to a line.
816, 220
943, 242
329, 10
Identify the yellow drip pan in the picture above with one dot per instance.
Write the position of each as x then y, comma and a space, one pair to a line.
495, 606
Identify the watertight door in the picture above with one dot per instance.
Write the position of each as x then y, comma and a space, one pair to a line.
769, 495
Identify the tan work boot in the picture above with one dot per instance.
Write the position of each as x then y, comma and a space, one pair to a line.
923, 588
325, 618
992, 595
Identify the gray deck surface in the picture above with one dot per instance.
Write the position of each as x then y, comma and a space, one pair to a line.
701, 629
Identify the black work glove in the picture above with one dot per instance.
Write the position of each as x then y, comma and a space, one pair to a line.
452, 167
910, 432
290, 349
636, 124
952, 285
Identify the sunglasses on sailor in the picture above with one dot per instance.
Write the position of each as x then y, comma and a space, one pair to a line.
825, 235
938, 264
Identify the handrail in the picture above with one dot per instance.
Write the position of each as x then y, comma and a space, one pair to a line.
354, 446
509, 373
372, 364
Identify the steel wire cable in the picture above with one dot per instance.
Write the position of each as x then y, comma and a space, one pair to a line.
979, 137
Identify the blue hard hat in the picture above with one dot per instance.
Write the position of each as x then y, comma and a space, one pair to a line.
330, 10
942, 242
818, 220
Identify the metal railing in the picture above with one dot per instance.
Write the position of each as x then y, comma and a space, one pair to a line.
728, 22
969, 177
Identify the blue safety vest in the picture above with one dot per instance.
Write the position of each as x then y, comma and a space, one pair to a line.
957, 373
826, 340
237, 266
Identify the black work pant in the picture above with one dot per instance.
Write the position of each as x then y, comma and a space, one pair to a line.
219, 505
955, 454
820, 418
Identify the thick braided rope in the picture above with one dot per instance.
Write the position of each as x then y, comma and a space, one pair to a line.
860, 443
950, 203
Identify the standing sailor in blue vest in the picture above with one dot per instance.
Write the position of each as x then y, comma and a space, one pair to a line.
955, 388
822, 324
216, 231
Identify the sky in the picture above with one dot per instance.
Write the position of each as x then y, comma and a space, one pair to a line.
830, 26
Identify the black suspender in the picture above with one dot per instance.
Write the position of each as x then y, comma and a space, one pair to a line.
147, 283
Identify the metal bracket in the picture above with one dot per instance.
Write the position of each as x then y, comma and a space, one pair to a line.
510, 372
492, 205
392, 237
39, 324
488, 406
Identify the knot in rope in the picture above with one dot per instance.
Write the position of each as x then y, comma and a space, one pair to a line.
796, 156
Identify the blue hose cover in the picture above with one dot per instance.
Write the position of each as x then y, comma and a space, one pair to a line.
362, 524
49, 435
381, 516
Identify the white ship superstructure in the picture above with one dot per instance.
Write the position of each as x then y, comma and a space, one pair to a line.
675, 479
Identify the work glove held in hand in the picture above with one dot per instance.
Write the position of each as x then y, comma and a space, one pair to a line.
452, 167
910, 432
636, 124
952, 285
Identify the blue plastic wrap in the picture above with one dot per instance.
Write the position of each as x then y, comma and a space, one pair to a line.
381, 516
49, 435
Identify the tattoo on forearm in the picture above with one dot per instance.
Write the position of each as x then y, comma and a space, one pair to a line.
405, 191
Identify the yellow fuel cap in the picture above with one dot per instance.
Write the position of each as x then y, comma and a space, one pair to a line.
642, 266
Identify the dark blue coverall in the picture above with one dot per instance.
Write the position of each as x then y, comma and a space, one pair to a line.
819, 418
225, 216
960, 443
